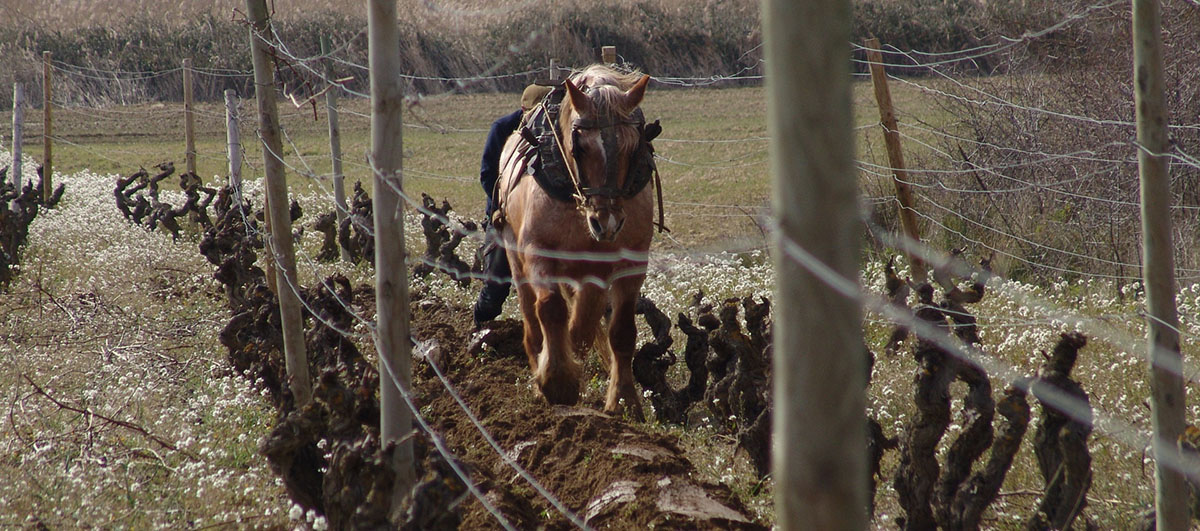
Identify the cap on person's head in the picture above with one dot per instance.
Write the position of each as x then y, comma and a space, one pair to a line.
533, 95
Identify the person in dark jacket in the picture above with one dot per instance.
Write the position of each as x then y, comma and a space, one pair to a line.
496, 285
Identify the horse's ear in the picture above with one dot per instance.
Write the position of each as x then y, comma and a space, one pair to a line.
633, 97
577, 98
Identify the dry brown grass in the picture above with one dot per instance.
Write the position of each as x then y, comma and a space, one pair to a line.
68, 15
75, 14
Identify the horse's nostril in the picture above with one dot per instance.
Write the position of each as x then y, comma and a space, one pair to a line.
596, 228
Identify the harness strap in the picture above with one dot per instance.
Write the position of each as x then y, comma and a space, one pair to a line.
523, 154
662, 224
580, 197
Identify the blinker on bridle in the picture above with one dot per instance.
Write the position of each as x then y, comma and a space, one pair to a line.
608, 139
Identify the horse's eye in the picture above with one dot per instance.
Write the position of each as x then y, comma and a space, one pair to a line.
576, 146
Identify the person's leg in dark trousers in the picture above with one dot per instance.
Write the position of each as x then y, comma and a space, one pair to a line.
498, 278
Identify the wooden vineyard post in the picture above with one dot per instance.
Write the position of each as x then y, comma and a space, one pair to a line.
608, 55
47, 130
891, 138
391, 274
820, 423
280, 235
234, 144
189, 118
18, 123
554, 70
335, 141
1167, 398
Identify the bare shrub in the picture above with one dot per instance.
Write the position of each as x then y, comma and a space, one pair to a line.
1044, 159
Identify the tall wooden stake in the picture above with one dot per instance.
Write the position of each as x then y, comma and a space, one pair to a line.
17, 133
335, 142
608, 55
232, 139
820, 464
189, 119
891, 138
391, 278
47, 130
554, 70
282, 250
1166, 365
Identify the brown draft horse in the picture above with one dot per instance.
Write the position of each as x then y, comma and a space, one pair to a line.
571, 258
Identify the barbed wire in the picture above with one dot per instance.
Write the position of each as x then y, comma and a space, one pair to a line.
1111, 426
1074, 408
720, 165
101, 111
984, 50
1083, 155
384, 362
953, 212
95, 153
974, 241
101, 74
521, 471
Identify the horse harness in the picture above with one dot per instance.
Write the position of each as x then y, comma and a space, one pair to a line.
545, 158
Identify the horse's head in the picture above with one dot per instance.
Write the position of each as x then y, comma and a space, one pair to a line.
601, 134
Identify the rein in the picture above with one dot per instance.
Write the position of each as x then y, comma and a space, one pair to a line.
579, 196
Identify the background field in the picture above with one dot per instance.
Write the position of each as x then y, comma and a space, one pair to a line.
712, 153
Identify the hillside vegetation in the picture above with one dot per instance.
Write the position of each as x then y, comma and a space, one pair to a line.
128, 41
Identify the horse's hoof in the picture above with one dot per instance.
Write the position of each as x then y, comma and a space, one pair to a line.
631, 410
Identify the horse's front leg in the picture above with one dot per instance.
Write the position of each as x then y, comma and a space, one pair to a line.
533, 330
622, 337
557, 373
586, 312
527, 299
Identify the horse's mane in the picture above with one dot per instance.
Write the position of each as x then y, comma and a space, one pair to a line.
607, 85
601, 74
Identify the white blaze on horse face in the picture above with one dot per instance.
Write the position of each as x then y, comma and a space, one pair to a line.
605, 217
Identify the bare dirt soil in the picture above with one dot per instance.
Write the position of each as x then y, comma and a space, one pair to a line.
608, 472
605, 471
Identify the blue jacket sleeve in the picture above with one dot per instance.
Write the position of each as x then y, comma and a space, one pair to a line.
489, 167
